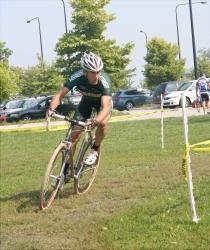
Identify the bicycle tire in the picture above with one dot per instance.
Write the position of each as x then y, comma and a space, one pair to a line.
56, 160
81, 186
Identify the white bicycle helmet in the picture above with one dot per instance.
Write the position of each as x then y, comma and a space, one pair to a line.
91, 62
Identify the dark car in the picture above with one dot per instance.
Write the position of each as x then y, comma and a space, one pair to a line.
165, 88
37, 109
130, 98
14, 106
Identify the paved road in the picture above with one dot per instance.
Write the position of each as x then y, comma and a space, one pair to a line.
135, 114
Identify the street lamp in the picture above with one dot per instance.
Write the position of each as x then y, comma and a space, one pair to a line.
177, 27
64, 10
40, 35
146, 38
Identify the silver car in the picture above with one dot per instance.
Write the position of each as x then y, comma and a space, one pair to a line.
130, 98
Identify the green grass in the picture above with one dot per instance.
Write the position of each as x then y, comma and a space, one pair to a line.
139, 199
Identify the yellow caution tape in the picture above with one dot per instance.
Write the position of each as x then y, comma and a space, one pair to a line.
184, 167
194, 148
123, 117
201, 149
184, 160
201, 143
36, 129
205, 149
61, 127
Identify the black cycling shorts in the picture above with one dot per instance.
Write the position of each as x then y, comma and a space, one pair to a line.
85, 109
204, 97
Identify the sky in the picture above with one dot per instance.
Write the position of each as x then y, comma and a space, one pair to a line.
155, 17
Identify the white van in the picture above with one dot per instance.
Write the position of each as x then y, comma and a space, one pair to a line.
174, 98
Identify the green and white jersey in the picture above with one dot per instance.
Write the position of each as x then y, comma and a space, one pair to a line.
90, 92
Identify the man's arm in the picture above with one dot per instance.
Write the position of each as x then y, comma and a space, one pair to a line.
208, 83
58, 96
105, 108
56, 100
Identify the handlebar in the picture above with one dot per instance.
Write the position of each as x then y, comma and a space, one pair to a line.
72, 121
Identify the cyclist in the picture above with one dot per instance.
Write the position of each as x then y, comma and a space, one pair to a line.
95, 87
202, 89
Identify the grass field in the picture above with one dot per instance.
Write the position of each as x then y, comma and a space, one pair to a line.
139, 199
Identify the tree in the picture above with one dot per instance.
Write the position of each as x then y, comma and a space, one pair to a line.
7, 82
204, 62
5, 53
40, 79
204, 52
7, 77
90, 19
162, 65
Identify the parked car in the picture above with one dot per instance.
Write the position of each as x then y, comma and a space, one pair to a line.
37, 109
165, 88
2, 104
130, 98
14, 106
174, 98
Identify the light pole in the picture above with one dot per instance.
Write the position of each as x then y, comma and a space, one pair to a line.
40, 35
145, 38
193, 41
177, 26
64, 10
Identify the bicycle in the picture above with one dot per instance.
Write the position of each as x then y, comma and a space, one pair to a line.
83, 175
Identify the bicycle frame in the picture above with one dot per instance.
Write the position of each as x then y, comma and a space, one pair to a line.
88, 139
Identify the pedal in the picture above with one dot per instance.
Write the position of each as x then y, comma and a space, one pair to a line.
54, 183
76, 177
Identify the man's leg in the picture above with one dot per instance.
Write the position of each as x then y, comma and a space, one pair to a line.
75, 136
80, 114
99, 136
203, 100
208, 104
204, 107
101, 132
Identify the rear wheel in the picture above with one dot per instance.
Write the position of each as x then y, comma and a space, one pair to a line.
85, 178
52, 181
27, 118
129, 105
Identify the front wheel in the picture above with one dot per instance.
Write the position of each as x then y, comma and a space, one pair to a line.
52, 180
187, 102
129, 105
85, 174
